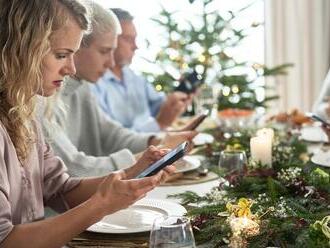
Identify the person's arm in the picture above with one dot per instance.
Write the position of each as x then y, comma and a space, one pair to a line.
155, 98
111, 135
172, 139
322, 105
113, 193
115, 137
56, 231
89, 186
81, 164
148, 125
174, 105
53, 232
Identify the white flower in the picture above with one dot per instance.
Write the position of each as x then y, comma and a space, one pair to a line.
289, 176
219, 196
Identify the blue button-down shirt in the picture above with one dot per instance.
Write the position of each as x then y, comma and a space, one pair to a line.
132, 101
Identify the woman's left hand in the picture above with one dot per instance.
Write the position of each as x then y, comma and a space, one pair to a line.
151, 155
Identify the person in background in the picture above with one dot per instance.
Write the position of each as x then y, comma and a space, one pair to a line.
37, 43
127, 97
321, 106
88, 141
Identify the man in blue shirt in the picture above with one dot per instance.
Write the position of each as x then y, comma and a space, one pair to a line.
128, 97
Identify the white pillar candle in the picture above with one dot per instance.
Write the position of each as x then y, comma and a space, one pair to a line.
261, 149
269, 132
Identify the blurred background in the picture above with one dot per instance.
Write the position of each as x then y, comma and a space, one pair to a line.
249, 53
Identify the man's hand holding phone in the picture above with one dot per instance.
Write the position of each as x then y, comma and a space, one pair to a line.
195, 122
174, 105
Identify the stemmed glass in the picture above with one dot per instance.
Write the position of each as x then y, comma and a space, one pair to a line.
172, 232
205, 99
233, 161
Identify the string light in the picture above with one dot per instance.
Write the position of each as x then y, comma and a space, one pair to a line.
201, 58
235, 89
173, 56
159, 87
199, 69
184, 66
226, 91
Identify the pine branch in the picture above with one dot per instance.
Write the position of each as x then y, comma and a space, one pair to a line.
187, 197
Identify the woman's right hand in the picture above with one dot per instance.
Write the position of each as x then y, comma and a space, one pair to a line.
116, 193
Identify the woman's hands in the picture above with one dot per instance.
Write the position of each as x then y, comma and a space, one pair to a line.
120, 190
151, 155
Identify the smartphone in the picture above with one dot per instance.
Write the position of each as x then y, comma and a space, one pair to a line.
168, 159
318, 118
199, 120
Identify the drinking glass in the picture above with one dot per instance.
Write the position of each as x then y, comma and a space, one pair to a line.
233, 161
172, 232
205, 100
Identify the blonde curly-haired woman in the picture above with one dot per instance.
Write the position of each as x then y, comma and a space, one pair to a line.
37, 43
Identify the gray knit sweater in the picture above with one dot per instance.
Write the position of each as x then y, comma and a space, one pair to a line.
87, 136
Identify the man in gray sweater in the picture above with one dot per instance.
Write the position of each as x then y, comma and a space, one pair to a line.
85, 135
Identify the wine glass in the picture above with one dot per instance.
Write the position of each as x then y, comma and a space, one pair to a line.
172, 232
205, 99
233, 161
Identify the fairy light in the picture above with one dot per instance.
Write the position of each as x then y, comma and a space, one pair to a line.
199, 69
226, 91
185, 66
235, 89
201, 58
159, 87
173, 56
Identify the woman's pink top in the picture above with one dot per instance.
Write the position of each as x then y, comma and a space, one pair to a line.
25, 189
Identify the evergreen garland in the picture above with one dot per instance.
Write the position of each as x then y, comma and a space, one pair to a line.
291, 199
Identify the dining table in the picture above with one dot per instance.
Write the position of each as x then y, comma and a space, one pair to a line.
317, 146
198, 185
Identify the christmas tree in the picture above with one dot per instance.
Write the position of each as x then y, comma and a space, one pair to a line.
202, 44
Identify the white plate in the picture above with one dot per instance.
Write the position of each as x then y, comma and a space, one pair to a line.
138, 217
321, 158
187, 163
203, 138
313, 134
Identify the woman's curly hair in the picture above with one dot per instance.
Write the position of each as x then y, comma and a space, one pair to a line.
26, 27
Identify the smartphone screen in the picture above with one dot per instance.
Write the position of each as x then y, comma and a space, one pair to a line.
168, 159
